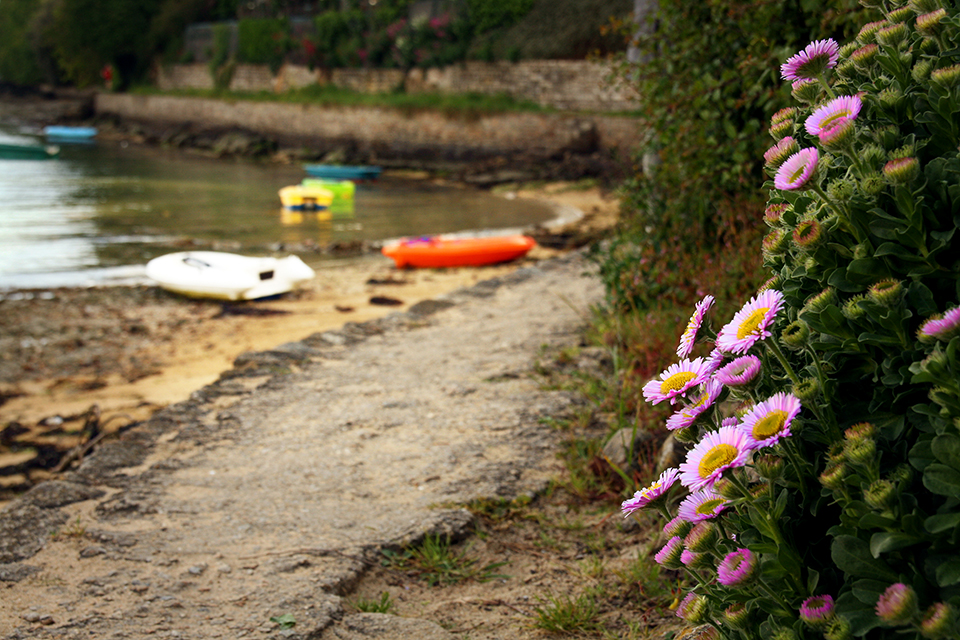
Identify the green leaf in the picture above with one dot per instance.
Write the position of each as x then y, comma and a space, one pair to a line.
888, 541
948, 573
897, 250
853, 556
860, 615
875, 521
941, 522
947, 450
286, 621
921, 455
942, 480
869, 591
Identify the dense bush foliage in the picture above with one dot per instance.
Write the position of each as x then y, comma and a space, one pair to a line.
705, 84
823, 489
263, 41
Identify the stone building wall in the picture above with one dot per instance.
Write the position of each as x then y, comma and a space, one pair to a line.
574, 85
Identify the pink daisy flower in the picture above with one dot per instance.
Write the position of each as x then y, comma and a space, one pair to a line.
736, 568
725, 448
675, 381
702, 505
941, 327
827, 116
732, 421
797, 170
751, 323
739, 372
689, 337
709, 393
816, 57
657, 489
770, 420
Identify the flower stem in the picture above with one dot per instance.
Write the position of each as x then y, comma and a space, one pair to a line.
775, 349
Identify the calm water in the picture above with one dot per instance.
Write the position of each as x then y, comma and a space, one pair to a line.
100, 212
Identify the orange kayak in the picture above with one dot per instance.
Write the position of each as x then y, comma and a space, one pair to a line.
436, 252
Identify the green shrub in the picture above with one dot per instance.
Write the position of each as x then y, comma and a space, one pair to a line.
824, 482
263, 41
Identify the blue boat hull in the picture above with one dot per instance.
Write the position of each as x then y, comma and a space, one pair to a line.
343, 172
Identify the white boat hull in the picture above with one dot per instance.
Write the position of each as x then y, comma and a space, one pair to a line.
227, 276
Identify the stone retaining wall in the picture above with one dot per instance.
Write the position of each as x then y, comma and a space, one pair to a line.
577, 85
388, 132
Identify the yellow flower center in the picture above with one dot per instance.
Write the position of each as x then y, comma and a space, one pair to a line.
752, 324
677, 381
707, 507
720, 455
769, 425
796, 174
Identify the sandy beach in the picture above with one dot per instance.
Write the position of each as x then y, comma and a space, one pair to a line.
116, 355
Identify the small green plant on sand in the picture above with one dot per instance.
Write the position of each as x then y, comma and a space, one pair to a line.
822, 486
381, 605
437, 562
565, 614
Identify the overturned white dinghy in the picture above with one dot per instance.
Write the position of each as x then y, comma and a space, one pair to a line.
227, 276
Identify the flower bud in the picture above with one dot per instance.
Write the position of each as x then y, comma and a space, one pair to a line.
886, 293
805, 90
846, 69
695, 560
807, 390
772, 214
780, 129
687, 434
837, 629
862, 451
776, 242
872, 184
693, 608
899, 15
778, 153
838, 135
901, 170
669, 554
868, 32
921, 70
817, 611
947, 77
841, 189
939, 622
769, 466
864, 57
726, 488
897, 605
880, 495
677, 527
832, 478
901, 476
737, 616
873, 154
929, 24
851, 309
784, 633
816, 304
702, 536
795, 335
772, 283
860, 431
923, 6
787, 113
737, 568
893, 35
